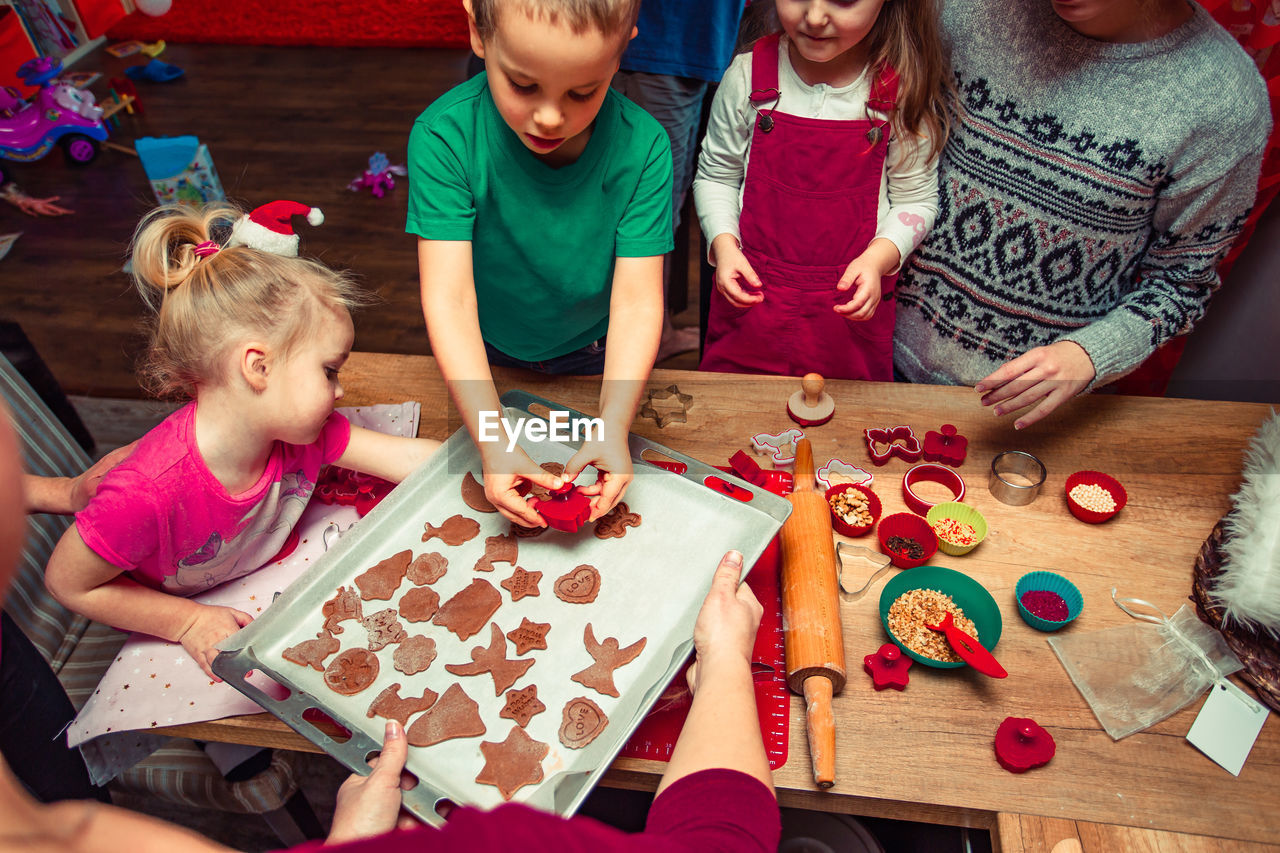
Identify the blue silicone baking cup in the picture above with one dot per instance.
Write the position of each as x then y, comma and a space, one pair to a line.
1048, 582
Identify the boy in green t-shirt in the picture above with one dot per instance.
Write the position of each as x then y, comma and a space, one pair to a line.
541, 198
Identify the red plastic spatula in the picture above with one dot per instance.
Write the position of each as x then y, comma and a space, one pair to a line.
970, 650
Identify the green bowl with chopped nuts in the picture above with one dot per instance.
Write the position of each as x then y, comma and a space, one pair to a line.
965, 592
848, 501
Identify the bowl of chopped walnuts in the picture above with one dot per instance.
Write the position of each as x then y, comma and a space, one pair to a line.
911, 601
855, 509
907, 538
1095, 497
960, 527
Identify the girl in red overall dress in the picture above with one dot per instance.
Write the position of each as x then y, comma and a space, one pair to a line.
818, 176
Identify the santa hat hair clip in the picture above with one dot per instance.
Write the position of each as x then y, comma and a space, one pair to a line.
269, 228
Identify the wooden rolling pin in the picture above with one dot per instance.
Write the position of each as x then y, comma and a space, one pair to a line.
811, 613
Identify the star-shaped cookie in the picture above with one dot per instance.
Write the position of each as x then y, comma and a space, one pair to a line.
512, 763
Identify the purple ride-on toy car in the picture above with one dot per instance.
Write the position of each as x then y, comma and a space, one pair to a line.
58, 113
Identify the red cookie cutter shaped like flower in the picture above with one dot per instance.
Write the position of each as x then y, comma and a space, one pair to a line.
946, 446
1022, 744
900, 441
345, 487
888, 667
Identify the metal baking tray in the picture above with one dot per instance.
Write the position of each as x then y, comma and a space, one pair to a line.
653, 582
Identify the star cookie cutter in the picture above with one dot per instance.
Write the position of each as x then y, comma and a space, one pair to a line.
678, 415
888, 668
778, 446
844, 472
900, 441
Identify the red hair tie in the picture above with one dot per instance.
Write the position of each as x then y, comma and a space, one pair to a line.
205, 249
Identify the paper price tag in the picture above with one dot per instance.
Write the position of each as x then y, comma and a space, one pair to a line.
1227, 725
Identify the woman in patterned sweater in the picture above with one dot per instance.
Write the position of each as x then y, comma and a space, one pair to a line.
1104, 157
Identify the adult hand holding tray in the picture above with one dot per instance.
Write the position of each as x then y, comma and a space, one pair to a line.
652, 583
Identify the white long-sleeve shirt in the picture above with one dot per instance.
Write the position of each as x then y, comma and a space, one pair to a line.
908, 188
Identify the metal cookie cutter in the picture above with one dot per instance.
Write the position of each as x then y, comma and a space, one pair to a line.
875, 559
1016, 477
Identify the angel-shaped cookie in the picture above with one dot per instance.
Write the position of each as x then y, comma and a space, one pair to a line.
608, 657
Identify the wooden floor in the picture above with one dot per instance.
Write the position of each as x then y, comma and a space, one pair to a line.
291, 123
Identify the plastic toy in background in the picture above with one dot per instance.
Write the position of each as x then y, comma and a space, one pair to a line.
154, 49
811, 405
900, 441
946, 446
11, 193
888, 668
58, 113
154, 8
1022, 744
778, 446
837, 471
380, 177
180, 170
155, 71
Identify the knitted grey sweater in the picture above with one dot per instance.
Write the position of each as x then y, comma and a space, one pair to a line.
1088, 192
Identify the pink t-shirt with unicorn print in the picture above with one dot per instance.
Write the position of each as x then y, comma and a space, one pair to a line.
165, 519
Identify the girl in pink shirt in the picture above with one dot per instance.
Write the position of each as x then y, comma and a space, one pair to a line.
255, 339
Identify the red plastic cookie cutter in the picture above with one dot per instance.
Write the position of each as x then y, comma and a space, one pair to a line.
566, 510
1022, 744
900, 441
946, 446
888, 667
934, 473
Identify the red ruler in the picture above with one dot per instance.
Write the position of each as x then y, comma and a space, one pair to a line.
656, 736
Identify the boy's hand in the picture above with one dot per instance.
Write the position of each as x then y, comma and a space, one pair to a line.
725, 632
210, 626
503, 474
863, 276
370, 805
613, 460
733, 270
1048, 375
85, 486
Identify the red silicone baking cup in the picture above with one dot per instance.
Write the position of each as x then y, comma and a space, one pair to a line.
843, 527
933, 473
912, 526
1095, 478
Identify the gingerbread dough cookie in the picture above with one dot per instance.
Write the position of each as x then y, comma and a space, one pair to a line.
312, 652
493, 660
522, 705
529, 636
456, 530
614, 523
522, 583
384, 629
392, 707
580, 586
419, 604
498, 549
608, 657
527, 532
583, 721
553, 468
513, 763
345, 605
383, 579
469, 611
473, 494
351, 671
414, 654
455, 714
427, 568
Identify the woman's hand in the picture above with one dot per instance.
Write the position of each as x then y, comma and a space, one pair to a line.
504, 473
725, 632
85, 486
370, 805
209, 626
733, 270
612, 459
1046, 375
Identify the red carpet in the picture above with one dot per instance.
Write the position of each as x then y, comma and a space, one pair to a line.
345, 23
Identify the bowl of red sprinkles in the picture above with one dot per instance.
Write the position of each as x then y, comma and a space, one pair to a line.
908, 539
1047, 600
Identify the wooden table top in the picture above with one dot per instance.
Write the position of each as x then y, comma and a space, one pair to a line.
926, 753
